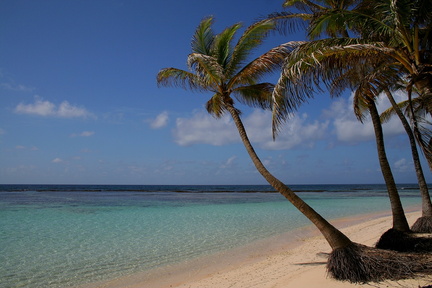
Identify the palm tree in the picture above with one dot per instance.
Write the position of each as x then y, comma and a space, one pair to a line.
217, 65
362, 79
423, 224
392, 32
325, 19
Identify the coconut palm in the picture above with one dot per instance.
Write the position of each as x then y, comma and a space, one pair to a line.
423, 224
362, 80
392, 32
325, 19
218, 66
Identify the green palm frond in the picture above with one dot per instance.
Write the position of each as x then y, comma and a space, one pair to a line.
216, 65
251, 38
424, 136
390, 112
202, 40
266, 63
222, 45
332, 23
287, 22
258, 95
172, 77
216, 106
207, 68
304, 5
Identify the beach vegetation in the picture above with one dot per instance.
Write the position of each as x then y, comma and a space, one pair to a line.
369, 32
421, 127
346, 50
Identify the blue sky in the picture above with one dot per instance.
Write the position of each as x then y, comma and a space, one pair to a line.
80, 104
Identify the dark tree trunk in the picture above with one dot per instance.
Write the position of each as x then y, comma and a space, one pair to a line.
426, 201
399, 220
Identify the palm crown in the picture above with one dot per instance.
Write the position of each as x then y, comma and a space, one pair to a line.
218, 66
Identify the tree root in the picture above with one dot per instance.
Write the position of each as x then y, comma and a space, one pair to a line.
404, 242
361, 264
422, 225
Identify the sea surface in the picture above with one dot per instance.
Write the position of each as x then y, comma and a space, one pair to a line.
67, 235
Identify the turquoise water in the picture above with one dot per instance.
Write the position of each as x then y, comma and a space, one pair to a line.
61, 236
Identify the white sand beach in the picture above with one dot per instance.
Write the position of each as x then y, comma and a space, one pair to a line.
293, 260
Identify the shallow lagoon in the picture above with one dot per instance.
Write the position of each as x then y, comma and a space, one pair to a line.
60, 236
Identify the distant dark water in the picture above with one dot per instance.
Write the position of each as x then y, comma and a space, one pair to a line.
201, 188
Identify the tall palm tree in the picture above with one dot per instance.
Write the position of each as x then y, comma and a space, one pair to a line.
423, 224
218, 66
325, 19
388, 31
418, 106
362, 79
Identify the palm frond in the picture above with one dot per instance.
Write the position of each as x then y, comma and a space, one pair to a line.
304, 5
215, 106
331, 23
173, 77
424, 137
251, 38
266, 63
202, 40
287, 22
207, 68
387, 114
221, 48
258, 95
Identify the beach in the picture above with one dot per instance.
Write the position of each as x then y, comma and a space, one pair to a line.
296, 263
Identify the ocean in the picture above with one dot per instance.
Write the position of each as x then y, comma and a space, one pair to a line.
69, 235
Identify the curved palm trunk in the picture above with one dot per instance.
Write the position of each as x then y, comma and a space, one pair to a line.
399, 220
426, 201
334, 237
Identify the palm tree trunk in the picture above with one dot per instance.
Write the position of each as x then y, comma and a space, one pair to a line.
424, 191
334, 237
399, 220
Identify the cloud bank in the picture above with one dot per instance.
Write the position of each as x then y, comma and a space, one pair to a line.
298, 132
202, 128
48, 109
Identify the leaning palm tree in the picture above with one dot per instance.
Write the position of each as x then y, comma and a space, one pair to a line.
218, 66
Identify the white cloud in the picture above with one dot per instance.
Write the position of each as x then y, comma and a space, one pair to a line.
83, 134
297, 131
2, 131
160, 121
87, 134
349, 129
57, 160
21, 147
204, 129
48, 109
16, 87
402, 165
229, 162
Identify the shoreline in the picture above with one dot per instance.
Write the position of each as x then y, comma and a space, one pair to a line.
292, 259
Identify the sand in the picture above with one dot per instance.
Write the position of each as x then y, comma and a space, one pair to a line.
274, 263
